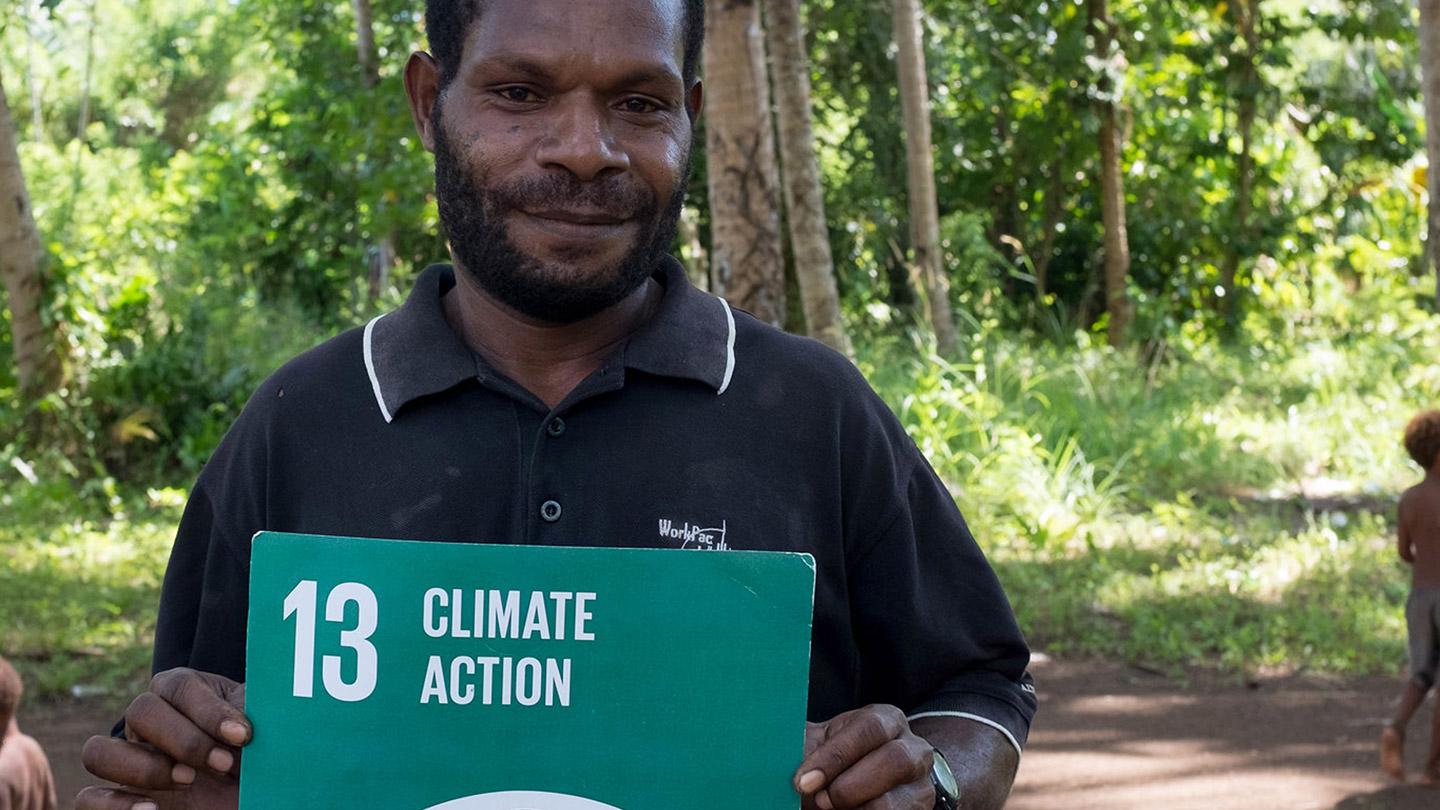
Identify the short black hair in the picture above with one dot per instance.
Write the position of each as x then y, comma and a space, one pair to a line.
447, 21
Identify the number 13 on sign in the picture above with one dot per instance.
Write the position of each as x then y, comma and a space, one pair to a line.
301, 603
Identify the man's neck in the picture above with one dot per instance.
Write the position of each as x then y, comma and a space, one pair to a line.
548, 359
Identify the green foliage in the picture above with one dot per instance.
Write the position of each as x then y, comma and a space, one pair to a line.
237, 172
78, 590
1229, 506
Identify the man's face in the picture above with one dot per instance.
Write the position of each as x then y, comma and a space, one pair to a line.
562, 150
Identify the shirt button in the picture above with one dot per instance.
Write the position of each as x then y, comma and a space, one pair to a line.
556, 428
550, 511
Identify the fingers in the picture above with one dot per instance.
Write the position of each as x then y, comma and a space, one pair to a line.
207, 701
849, 739
134, 765
914, 796
180, 730
901, 763
98, 798
163, 726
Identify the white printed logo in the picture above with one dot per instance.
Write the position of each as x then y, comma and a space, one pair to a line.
523, 800
695, 537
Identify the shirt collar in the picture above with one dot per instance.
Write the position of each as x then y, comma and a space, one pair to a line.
412, 352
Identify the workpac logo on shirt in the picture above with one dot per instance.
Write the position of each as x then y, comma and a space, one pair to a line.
691, 536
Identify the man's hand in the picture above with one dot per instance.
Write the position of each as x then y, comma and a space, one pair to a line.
868, 758
181, 747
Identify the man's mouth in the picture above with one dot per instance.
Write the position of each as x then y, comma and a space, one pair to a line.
575, 224
575, 217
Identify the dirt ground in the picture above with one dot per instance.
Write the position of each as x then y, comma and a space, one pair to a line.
1114, 737
1120, 738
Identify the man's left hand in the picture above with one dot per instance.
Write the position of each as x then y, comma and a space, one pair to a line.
868, 758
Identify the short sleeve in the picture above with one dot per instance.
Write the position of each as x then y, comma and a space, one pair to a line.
203, 602
205, 599
937, 636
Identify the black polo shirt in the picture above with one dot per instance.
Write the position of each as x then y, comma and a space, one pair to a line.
707, 430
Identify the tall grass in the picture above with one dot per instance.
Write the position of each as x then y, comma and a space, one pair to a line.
1191, 503
1212, 505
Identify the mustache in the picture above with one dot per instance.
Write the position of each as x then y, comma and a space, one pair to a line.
613, 196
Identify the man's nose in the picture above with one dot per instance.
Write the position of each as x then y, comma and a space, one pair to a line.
582, 143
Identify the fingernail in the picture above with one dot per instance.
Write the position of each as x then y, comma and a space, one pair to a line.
144, 806
823, 800
234, 732
812, 781
220, 760
182, 774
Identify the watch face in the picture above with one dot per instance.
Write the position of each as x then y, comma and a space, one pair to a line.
946, 788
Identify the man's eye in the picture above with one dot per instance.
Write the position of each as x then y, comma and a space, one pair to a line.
639, 105
519, 95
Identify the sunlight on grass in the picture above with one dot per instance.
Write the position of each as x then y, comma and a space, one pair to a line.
1224, 507
1233, 507
79, 595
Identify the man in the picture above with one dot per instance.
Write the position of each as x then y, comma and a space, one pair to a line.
26, 782
563, 384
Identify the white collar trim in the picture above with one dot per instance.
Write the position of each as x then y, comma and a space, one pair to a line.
370, 368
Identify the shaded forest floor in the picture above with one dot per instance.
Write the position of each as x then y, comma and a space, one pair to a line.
1114, 737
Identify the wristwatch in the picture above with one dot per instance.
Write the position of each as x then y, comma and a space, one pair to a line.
947, 790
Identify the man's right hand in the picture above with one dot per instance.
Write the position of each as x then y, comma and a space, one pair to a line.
181, 748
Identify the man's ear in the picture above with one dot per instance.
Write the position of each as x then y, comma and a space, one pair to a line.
695, 101
422, 86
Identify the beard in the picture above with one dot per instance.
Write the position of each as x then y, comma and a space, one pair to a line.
555, 291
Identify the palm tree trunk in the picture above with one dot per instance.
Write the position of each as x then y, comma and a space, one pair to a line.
1112, 184
382, 253
365, 42
37, 362
1245, 12
800, 172
747, 264
697, 262
920, 172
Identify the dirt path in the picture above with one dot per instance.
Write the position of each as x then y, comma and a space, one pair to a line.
62, 731
1118, 738
1112, 737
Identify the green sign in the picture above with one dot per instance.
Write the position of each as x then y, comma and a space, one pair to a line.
447, 676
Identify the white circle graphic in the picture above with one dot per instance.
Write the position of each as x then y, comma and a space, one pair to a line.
523, 800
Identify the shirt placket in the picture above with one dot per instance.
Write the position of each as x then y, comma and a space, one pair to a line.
556, 464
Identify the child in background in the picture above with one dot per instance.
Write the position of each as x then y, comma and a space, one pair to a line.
1419, 545
25, 779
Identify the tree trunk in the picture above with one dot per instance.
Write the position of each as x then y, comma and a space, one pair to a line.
747, 262
800, 171
84, 122
1005, 231
1054, 208
1112, 183
37, 362
697, 263
920, 172
1241, 245
365, 42
382, 254
1430, 72
37, 121
382, 258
